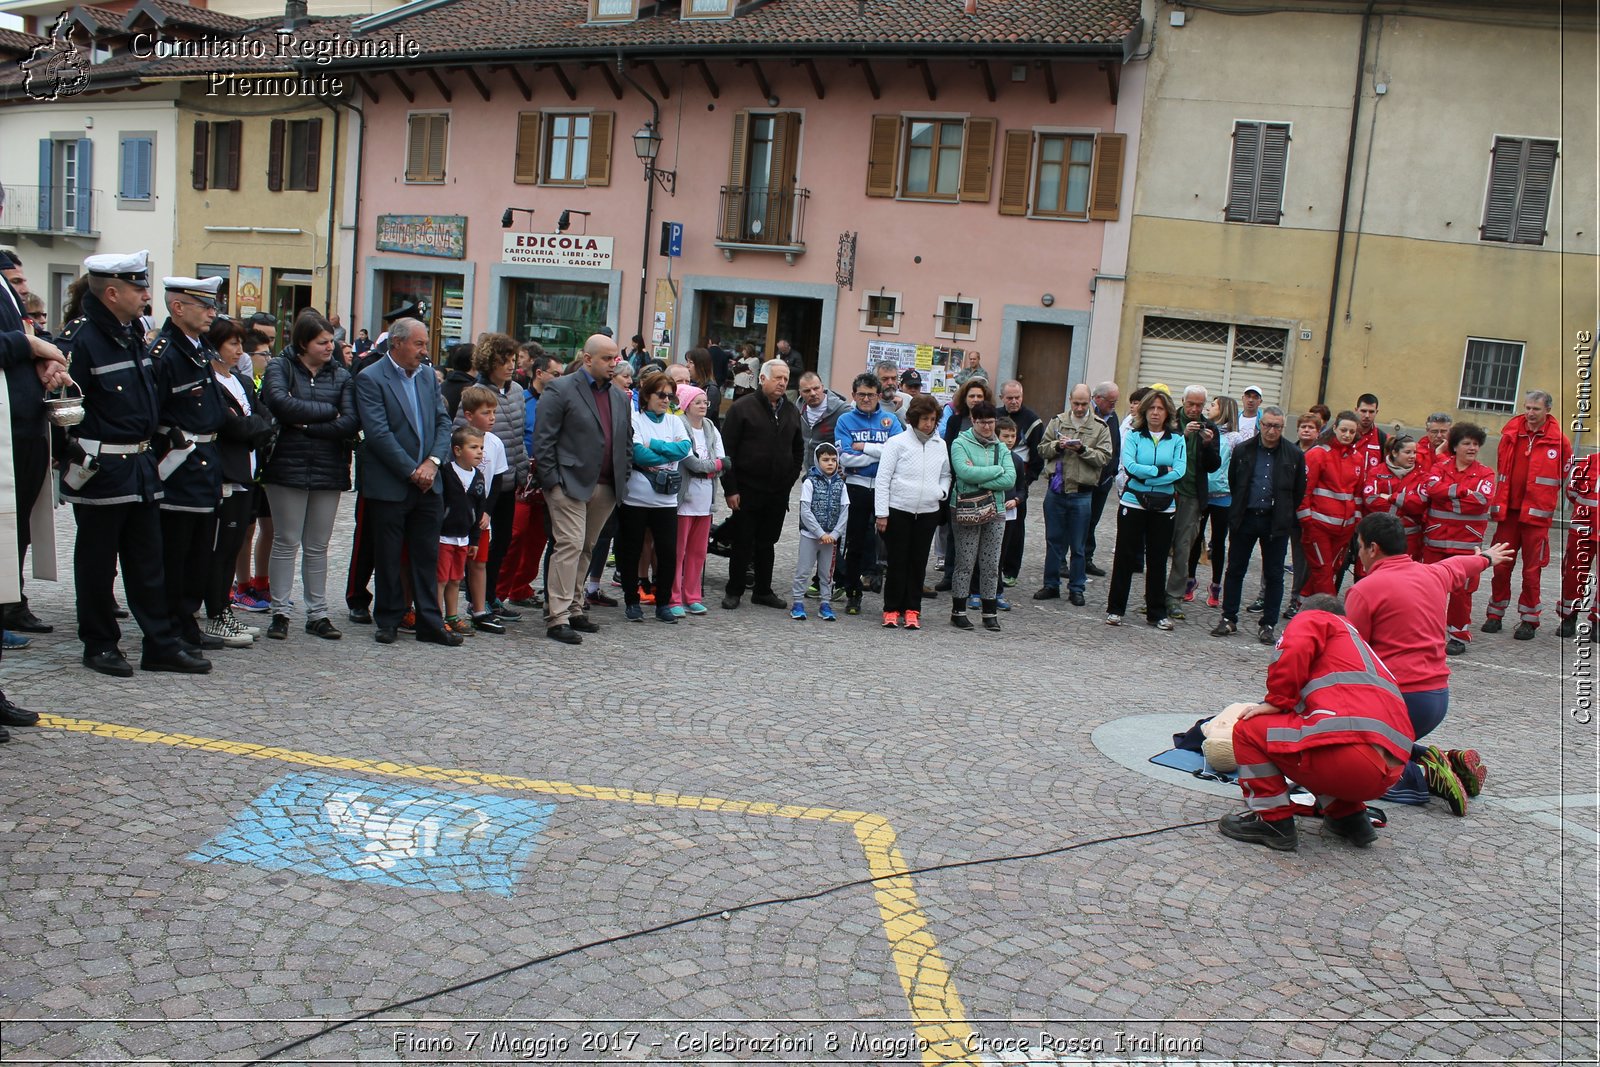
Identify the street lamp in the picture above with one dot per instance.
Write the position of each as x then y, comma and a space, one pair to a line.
647, 145
505, 217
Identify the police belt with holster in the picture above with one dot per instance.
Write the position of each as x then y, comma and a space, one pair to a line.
182, 447
83, 457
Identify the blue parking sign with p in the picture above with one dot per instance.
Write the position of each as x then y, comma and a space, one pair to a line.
672, 238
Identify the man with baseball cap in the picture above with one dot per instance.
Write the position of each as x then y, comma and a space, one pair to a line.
111, 479
1249, 411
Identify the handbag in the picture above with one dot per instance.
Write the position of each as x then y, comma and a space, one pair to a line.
664, 481
975, 508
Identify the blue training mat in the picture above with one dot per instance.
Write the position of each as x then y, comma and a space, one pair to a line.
1190, 762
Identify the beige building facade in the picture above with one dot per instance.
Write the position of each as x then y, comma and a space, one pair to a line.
1429, 237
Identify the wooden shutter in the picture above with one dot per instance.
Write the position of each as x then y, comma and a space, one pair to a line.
416, 147
1242, 171
1270, 173
1105, 187
883, 155
235, 140
601, 123
1015, 161
738, 185
1533, 202
526, 170
275, 156
313, 162
202, 155
977, 160
85, 191
438, 127
1499, 214
127, 180
781, 181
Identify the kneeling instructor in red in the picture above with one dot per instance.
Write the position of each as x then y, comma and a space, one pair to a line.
1333, 720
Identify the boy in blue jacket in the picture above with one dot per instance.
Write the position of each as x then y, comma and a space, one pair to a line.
824, 513
860, 434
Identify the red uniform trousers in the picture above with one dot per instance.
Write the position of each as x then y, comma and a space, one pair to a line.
1533, 543
1414, 546
1458, 617
1342, 777
521, 565
1323, 544
1578, 576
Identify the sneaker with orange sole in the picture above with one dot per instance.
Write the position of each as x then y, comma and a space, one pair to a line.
1469, 768
913, 620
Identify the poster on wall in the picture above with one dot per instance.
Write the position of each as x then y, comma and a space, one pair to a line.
761, 309
925, 359
249, 293
741, 314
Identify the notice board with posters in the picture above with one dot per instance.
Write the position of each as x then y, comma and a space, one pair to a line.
936, 365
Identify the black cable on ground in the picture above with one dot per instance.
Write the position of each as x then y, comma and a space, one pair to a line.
715, 913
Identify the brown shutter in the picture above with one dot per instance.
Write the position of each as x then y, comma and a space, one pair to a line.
1014, 163
275, 157
526, 170
600, 126
1105, 188
977, 159
1242, 172
1538, 180
1270, 178
438, 128
416, 148
235, 139
883, 152
781, 181
738, 185
202, 154
313, 155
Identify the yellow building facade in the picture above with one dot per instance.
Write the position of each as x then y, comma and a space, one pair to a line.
1467, 267
260, 193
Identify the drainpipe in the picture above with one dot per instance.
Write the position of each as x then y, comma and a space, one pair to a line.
649, 197
333, 210
1344, 207
355, 228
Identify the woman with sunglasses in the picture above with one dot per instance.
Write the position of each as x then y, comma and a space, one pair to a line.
650, 499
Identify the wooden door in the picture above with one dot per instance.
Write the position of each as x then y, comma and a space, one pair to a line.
1044, 351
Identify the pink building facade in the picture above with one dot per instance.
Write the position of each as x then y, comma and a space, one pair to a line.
909, 202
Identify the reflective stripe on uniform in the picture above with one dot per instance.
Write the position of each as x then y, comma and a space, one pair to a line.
1257, 770
126, 364
1469, 545
1340, 724
1538, 513
1547, 481
1332, 495
1277, 800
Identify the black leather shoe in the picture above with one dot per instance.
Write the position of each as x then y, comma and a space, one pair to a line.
112, 664
582, 624
1090, 568
385, 635
1248, 826
11, 715
207, 643
1355, 828
324, 629
1490, 626
1049, 592
24, 621
119, 612
360, 616
1455, 647
565, 634
1075, 599
730, 603
439, 637
768, 600
179, 662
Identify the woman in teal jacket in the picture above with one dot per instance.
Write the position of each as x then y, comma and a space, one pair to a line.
979, 463
1154, 457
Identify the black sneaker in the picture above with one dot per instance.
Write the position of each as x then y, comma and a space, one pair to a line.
1490, 626
1455, 647
852, 605
488, 623
1525, 631
499, 610
322, 628
1279, 834
1049, 592
1258, 605
278, 629
1224, 628
1355, 828
1266, 635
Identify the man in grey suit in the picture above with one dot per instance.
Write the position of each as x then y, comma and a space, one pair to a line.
582, 440
407, 443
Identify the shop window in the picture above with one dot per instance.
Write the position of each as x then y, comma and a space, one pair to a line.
426, 145
442, 298
559, 315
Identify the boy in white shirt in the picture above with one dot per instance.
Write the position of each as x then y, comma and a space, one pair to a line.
465, 517
478, 404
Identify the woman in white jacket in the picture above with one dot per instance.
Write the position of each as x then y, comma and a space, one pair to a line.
908, 496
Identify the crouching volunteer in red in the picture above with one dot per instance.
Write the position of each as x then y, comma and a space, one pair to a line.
1333, 720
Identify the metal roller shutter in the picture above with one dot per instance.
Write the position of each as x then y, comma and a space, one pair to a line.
1218, 355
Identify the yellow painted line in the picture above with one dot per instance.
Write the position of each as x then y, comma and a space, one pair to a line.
938, 1016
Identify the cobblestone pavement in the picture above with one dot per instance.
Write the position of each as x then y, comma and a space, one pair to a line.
204, 870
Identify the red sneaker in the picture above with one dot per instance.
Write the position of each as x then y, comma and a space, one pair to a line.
891, 620
913, 620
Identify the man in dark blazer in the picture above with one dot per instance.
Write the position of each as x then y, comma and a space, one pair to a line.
406, 448
582, 443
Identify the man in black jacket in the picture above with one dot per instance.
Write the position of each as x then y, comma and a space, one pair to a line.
1267, 480
763, 440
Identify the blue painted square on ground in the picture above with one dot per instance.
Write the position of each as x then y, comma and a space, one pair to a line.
352, 829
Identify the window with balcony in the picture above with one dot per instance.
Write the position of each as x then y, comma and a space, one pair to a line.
65, 193
762, 203
294, 155
938, 158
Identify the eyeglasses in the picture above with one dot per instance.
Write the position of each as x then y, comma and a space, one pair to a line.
866, 396
662, 396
